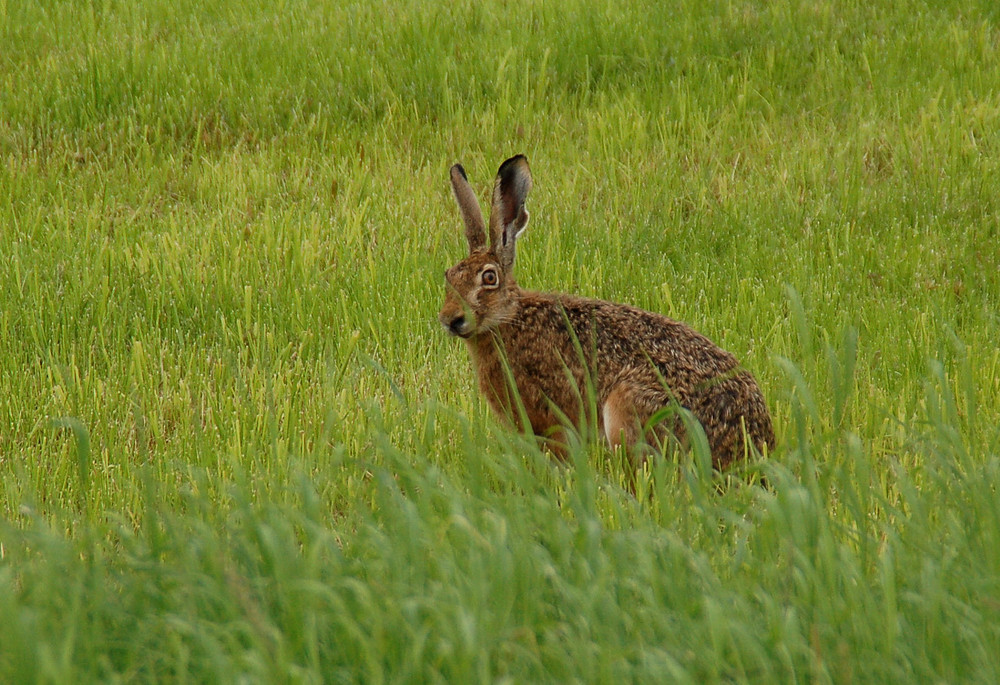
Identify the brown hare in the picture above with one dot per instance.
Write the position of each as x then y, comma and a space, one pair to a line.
557, 353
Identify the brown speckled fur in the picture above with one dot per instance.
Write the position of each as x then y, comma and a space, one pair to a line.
556, 346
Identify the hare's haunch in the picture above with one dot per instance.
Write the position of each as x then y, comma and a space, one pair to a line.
554, 352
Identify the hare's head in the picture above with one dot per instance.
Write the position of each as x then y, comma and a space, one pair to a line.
481, 290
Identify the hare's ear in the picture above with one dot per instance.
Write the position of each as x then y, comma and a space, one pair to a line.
508, 217
472, 215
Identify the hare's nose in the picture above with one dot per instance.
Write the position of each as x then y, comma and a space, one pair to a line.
457, 325
457, 320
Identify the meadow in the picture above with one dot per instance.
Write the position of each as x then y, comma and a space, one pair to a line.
236, 446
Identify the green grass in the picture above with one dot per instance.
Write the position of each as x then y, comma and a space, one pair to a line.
235, 445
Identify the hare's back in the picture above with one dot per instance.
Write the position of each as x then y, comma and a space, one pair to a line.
626, 336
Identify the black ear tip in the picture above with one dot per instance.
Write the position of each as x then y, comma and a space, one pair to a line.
512, 163
458, 169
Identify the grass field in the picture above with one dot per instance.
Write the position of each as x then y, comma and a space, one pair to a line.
236, 446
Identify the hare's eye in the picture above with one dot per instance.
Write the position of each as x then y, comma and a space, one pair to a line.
489, 277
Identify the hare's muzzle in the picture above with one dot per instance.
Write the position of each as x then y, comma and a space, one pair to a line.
456, 324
